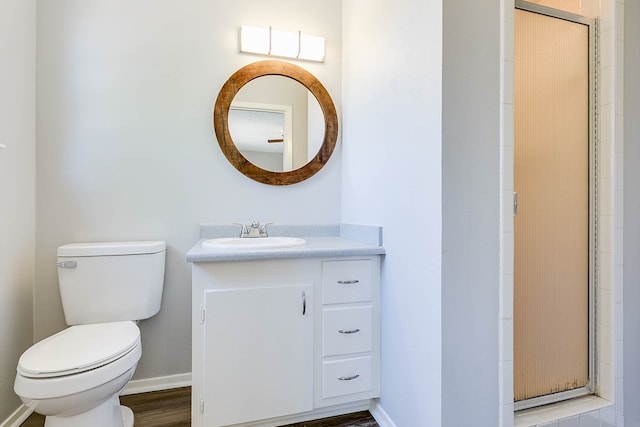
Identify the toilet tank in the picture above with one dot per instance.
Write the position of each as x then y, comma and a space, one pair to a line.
110, 281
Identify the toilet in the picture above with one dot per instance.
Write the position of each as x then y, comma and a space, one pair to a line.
75, 376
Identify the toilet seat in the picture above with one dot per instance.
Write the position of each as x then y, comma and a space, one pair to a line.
79, 349
76, 384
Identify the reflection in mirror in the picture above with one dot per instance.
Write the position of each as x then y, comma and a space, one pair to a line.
276, 123
262, 133
304, 125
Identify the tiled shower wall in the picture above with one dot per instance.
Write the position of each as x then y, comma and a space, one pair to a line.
506, 221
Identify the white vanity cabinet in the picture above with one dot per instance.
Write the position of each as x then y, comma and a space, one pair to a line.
277, 341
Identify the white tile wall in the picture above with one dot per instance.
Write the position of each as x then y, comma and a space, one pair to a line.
570, 422
590, 419
608, 417
568, 412
506, 220
617, 417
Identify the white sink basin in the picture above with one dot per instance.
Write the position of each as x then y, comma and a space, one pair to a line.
253, 243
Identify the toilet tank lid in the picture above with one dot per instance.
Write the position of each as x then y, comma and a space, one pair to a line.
111, 248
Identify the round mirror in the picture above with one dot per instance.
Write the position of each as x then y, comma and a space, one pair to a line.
275, 122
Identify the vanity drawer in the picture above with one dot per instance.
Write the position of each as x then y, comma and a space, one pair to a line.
346, 281
346, 376
346, 330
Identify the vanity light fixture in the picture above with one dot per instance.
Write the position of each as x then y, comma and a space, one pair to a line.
268, 41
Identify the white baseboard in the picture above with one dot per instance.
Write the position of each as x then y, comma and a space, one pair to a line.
381, 417
146, 385
18, 417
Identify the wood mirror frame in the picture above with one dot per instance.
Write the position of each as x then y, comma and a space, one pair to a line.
221, 121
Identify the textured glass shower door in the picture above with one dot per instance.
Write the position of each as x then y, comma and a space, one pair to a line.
551, 178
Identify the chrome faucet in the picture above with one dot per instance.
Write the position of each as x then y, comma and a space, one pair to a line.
254, 230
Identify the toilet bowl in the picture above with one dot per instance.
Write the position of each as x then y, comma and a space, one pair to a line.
74, 377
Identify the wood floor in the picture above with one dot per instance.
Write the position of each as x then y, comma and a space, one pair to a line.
172, 408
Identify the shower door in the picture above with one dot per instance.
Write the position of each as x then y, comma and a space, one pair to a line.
552, 265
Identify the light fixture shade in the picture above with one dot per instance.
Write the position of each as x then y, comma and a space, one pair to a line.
254, 40
284, 43
312, 48
267, 41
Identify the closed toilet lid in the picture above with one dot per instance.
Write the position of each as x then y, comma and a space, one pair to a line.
78, 349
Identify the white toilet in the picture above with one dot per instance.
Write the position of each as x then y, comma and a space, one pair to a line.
75, 376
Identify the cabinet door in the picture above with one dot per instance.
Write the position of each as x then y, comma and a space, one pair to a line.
258, 353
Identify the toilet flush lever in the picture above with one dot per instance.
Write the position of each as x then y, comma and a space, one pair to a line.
67, 264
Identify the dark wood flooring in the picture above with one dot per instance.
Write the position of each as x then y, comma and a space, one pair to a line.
172, 408
359, 419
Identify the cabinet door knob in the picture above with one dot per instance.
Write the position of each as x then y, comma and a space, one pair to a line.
348, 282
349, 331
304, 303
352, 377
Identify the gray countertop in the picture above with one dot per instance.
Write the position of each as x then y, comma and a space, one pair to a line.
334, 240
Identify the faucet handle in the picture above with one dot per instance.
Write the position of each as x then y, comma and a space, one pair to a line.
243, 232
263, 229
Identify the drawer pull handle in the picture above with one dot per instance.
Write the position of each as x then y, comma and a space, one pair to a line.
349, 331
352, 377
348, 282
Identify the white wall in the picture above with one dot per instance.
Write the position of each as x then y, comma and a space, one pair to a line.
471, 212
392, 176
17, 189
440, 333
631, 220
126, 148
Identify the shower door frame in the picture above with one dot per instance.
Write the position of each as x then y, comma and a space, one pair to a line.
592, 25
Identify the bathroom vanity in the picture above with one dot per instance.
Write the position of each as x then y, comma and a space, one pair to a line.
285, 334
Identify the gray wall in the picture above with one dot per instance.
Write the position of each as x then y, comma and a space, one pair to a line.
631, 218
126, 148
470, 212
17, 189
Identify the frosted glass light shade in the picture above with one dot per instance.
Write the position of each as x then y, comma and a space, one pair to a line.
268, 41
284, 43
311, 48
254, 40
